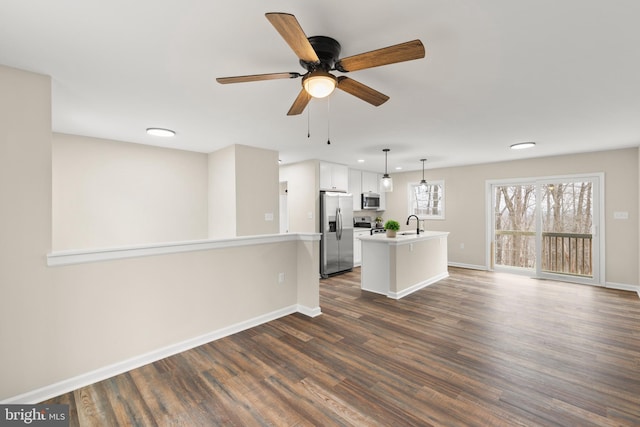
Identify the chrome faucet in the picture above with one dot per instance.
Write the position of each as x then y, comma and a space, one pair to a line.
417, 222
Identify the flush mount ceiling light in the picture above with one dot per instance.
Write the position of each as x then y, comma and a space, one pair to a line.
522, 145
386, 183
319, 84
160, 132
423, 182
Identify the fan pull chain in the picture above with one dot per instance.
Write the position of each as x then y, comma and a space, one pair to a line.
308, 122
328, 120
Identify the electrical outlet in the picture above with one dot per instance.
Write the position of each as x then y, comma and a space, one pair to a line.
280, 277
461, 245
268, 216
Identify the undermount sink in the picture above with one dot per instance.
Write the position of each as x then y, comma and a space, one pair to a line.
407, 233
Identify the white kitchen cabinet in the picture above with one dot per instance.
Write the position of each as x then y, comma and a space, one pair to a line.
383, 198
357, 246
334, 177
355, 188
370, 182
365, 182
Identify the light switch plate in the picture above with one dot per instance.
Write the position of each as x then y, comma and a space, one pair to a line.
621, 215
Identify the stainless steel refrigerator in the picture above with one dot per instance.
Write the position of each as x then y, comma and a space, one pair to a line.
336, 226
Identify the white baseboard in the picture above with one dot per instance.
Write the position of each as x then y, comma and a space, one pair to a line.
308, 311
65, 386
417, 286
469, 266
611, 285
623, 287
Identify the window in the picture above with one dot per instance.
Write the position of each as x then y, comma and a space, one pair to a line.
427, 203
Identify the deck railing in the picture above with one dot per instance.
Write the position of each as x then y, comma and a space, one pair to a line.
564, 253
567, 253
515, 248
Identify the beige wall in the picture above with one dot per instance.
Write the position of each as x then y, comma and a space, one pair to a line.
257, 191
413, 264
110, 193
27, 329
108, 312
303, 196
222, 193
465, 208
243, 188
57, 323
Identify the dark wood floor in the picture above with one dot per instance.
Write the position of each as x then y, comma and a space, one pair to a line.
476, 349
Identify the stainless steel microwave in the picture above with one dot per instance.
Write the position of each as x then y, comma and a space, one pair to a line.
370, 201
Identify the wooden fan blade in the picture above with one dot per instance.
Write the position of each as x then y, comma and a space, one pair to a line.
387, 55
362, 91
291, 31
257, 77
300, 103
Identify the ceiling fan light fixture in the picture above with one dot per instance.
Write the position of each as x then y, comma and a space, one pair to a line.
319, 84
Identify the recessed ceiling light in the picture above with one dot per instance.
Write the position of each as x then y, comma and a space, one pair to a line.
360, 160
398, 168
160, 132
522, 145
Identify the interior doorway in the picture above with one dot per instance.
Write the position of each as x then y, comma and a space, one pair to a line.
547, 227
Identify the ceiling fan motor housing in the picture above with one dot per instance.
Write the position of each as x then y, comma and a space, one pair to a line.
328, 51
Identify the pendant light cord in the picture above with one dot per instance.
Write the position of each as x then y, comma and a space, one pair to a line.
386, 150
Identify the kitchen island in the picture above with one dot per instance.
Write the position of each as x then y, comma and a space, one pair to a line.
398, 266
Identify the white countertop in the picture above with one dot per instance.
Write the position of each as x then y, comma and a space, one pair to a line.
362, 229
404, 237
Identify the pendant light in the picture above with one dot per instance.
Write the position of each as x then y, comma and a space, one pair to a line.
423, 183
386, 183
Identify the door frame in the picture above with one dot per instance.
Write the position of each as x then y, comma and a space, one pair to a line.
598, 225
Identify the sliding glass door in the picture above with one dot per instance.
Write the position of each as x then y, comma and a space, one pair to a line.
567, 240
514, 235
547, 227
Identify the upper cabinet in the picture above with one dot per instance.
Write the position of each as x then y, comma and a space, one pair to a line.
334, 177
355, 188
365, 182
370, 182
383, 199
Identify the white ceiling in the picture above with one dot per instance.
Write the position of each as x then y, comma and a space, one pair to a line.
563, 73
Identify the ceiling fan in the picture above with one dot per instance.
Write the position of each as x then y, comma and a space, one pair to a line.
319, 55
